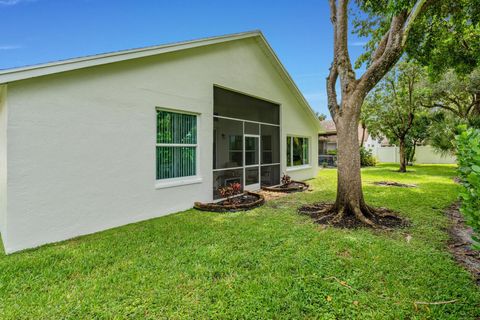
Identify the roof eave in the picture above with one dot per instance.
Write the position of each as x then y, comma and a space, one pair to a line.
22, 73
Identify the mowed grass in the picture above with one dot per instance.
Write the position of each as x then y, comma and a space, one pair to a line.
266, 263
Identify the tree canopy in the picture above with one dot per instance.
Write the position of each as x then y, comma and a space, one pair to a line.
393, 109
445, 36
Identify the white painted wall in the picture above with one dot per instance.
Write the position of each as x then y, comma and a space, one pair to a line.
3, 160
81, 146
423, 155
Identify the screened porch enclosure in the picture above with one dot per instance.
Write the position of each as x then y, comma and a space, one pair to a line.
246, 141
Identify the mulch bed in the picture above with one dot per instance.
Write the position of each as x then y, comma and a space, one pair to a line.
394, 184
294, 186
460, 244
246, 201
322, 213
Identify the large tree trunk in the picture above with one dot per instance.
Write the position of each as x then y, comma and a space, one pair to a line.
349, 199
353, 91
403, 157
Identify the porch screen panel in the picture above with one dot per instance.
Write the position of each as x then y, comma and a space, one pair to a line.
232, 104
176, 145
227, 144
270, 144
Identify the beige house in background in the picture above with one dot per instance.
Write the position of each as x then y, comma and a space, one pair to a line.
97, 142
327, 140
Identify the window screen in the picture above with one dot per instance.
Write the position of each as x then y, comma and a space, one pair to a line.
176, 145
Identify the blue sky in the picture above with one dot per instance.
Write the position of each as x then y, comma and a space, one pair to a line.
300, 32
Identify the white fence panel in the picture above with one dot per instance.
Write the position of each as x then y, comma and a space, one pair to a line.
426, 154
423, 154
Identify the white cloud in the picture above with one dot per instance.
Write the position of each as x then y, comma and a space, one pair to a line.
13, 2
9, 47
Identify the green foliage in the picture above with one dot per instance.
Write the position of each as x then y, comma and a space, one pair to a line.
366, 158
268, 263
392, 109
445, 35
456, 94
332, 152
468, 157
443, 130
418, 134
320, 116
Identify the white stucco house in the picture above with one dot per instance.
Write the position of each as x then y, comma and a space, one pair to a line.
97, 142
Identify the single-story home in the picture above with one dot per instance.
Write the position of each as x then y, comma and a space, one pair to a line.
98, 142
327, 140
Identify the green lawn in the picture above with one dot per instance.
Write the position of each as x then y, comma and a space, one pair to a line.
266, 263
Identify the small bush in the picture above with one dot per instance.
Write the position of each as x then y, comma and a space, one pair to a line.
286, 180
468, 158
332, 152
366, 158
229, 191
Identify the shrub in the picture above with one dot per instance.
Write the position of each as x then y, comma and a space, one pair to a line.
286, 180
468, 158
366, 158
229, 191
332, 152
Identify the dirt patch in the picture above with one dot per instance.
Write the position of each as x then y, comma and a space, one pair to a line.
460, 244
246, 201
394, 184
272, 195
323, 213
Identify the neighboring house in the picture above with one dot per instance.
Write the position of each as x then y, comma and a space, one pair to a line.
327, 141
93, 143
372, 144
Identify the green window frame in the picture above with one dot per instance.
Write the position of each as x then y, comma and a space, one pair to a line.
176, 147
298, 153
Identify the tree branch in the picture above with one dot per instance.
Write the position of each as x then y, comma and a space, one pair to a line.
416, 10
441, 106
344, 65
390, 48
333, 75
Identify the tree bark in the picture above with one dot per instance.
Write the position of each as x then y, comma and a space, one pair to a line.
403, 157
363, 134
349, 200
346, 114
412, 154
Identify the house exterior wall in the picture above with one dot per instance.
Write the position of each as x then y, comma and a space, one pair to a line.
3, 160
81, 147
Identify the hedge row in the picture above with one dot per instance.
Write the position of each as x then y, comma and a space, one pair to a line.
468, 158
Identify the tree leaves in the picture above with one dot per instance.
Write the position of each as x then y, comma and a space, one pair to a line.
468, 157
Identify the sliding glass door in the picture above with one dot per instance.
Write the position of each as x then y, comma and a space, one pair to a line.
252, 162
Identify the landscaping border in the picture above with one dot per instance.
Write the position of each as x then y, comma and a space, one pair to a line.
304, 187
216, 207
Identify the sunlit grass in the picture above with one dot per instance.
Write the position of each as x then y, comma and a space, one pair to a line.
266, 263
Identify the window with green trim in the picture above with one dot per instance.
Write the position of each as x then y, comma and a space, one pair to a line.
297, 151
176, 145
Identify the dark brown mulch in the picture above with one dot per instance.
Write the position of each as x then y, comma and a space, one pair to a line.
460, 244
294, 186
246, 201
384, 218
394, 184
